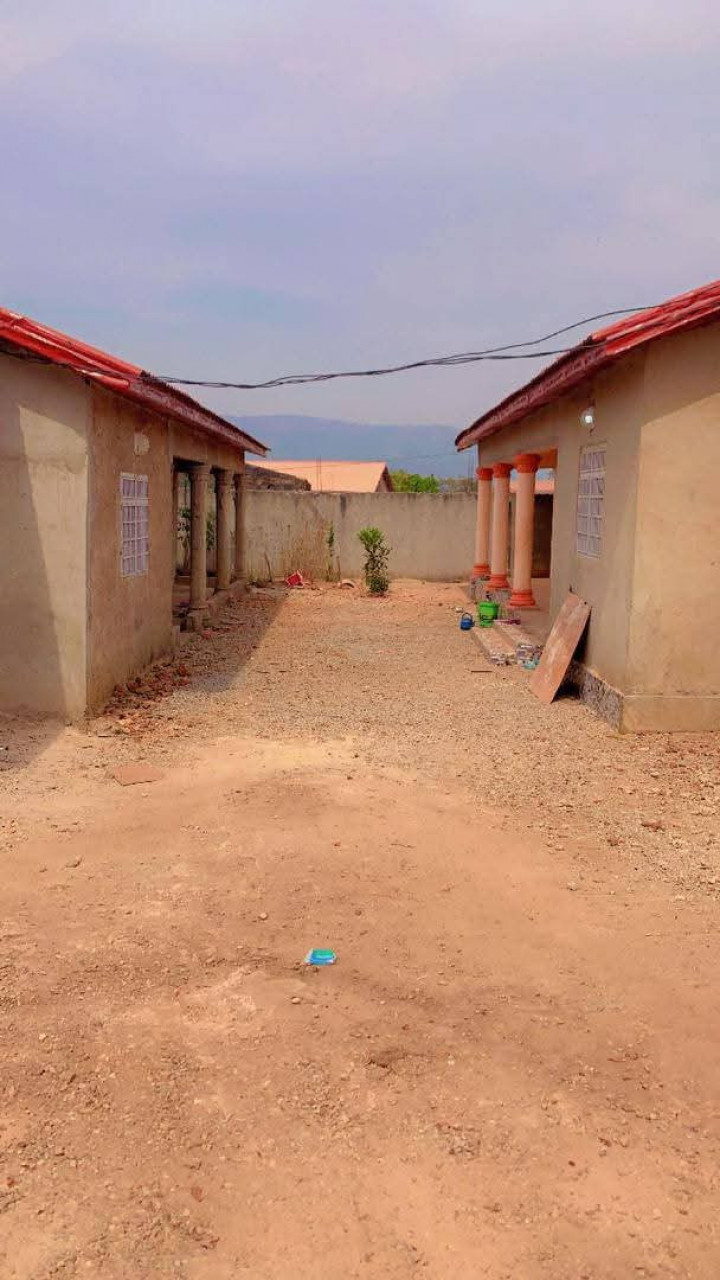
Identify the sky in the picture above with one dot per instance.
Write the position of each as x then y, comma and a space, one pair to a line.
242, 188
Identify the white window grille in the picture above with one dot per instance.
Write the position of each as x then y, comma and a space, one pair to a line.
134, 538
591, 501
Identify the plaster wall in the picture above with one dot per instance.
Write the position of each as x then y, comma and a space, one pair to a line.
605, 582
44, 418
431, 535
129, 618
673, 678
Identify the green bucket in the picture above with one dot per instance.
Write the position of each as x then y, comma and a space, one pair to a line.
487, 612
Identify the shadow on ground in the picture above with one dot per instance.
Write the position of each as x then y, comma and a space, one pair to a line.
23, 739
207, 662
218, 655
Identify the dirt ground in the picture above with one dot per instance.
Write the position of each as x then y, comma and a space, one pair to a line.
511, 1072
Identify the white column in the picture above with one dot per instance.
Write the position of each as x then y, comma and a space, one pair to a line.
500, 526
526, 465
481, 568
199, 475
224, 481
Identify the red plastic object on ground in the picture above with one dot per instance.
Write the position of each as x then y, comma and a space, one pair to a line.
295, 579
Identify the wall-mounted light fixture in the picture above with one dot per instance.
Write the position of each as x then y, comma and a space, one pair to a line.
587, 417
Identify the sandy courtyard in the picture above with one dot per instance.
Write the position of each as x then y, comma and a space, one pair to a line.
511, 1072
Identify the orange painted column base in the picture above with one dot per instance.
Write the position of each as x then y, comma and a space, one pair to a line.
522, 600
498, 582
481, 571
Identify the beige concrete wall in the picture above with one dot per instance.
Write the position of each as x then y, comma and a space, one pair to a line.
673, 674
44, 414
605, 582
129, 618
192, 446
431, 535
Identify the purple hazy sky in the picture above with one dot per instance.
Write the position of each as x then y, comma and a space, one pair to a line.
240, 188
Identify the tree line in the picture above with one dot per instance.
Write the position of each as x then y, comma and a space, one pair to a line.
412, 482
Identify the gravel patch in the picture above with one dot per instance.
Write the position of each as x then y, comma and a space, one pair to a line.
400, 680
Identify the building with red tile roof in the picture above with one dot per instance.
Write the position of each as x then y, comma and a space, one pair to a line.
629, 420
93, 453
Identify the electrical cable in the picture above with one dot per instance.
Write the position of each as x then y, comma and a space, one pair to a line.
509, 351
301, 379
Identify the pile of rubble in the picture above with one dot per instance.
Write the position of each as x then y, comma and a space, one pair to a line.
129, 709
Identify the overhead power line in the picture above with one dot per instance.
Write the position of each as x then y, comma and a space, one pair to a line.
509, 351
300, 379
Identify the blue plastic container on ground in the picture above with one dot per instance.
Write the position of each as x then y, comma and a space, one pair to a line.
320, 956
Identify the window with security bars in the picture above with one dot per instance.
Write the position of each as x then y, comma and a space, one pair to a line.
134, 544
591, 501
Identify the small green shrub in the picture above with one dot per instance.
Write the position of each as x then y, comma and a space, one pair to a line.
377, 554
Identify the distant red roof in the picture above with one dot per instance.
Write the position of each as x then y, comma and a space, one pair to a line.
335, 476
596, 352
20, 333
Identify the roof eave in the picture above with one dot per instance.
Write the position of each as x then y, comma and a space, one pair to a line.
175, 404
556, 380
689, 310
20, 334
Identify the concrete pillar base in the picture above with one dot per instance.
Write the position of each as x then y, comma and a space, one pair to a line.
522, 600
195, 619
480, 571
498, 582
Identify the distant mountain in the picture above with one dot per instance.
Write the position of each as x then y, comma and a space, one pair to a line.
426, 449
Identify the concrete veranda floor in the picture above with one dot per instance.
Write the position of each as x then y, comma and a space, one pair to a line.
511, 1071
